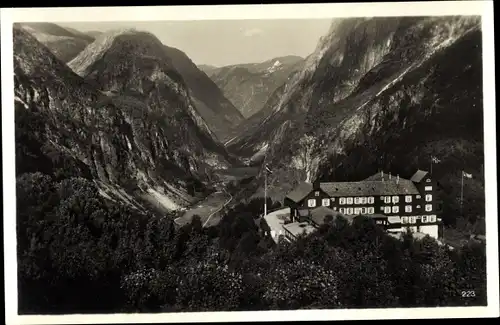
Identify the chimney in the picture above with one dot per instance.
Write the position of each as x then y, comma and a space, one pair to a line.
397, 179
316, 184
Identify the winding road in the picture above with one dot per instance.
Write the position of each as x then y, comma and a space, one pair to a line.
221, 207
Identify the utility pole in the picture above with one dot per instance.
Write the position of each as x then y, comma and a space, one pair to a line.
265, 191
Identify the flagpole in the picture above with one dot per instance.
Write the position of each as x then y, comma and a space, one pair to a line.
462, 195
265, 190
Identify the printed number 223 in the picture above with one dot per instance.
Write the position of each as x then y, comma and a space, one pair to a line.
468, 294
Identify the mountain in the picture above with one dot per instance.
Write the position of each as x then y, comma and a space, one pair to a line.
207, 68
93, 33
125, 61
379, 93
65, 43
143, 141
217, 111
248, 86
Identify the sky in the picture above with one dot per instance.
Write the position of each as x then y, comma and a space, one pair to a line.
226, 42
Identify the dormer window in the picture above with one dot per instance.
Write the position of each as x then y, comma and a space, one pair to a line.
428, 180
316, 193
311, 203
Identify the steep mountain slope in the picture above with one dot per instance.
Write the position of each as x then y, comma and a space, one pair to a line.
129, 61
65, 43
149, 144
217, 111
381, 93
248, 86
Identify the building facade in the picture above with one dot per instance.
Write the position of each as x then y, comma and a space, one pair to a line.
408, 204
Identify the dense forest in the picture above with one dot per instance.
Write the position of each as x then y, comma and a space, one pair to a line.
80, 253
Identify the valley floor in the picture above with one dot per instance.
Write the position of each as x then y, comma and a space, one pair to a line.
205, 209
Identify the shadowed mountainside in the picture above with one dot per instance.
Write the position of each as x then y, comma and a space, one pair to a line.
380, 93
147, 141
248, 86
65, 43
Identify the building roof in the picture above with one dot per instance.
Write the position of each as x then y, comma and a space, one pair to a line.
364, 188
300, 192
418, 176
303, 212
318, 215
297, 228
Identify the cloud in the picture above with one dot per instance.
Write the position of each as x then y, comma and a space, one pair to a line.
252, 32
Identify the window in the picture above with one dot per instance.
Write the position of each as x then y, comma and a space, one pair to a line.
371, 210
364, 200
412, 219
333, 199
382, 198
408, 199
387, 209
341, 210
419, 197
316, 193
325, 202
349, 211
334, 208
428, 207
428, 197
428, 180
342, 200
418, 206
349, 200
404, 219
311, 203
357, 200
382, 208
395, 209
379, 222
357, 211
428, 188
395, 199
371, 200
387, 199
407, 208
424, 219
431, 218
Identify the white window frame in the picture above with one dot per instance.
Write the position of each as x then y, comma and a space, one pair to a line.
404, 220
395, 209
333, 199
428, 180
341, 210
371, 210
342, 200
350, 211
316, 193
387, 210
349, 200
325, 202
428, 188
311, 203
428, 197
382, 208
356, 200
408, 208
418, 206
428, 207
423, 219
412, 220
419, 196
387, 199
432, 218
357, 211
395, 199
408, 198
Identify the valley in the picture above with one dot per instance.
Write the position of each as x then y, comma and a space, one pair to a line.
149, 178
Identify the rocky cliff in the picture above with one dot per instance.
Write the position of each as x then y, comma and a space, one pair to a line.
381, 93
219, 113
137, 135
249, 86
65, 43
